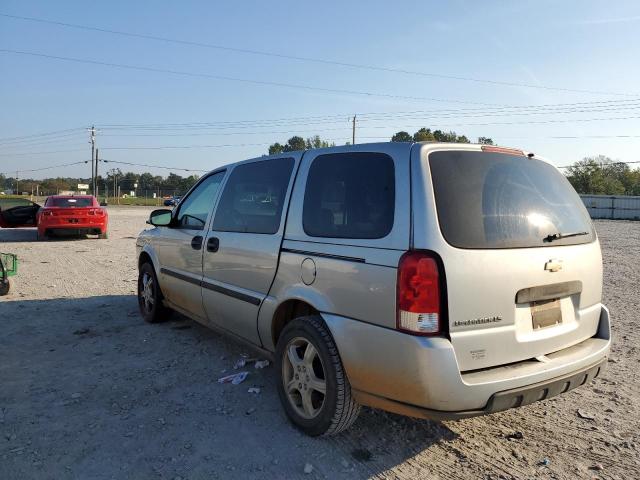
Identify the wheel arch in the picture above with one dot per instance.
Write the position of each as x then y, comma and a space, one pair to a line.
144, 258
287, 311
147, 255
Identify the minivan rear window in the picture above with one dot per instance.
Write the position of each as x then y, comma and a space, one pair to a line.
497, 200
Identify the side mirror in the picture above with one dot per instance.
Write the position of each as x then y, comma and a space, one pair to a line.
160, 217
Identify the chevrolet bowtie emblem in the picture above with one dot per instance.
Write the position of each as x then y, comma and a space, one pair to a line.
553, 265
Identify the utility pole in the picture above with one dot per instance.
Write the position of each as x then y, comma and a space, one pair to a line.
95, 184
93, 147
353, 131
17, 189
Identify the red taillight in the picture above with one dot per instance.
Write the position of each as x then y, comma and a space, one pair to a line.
418, 289
96, 211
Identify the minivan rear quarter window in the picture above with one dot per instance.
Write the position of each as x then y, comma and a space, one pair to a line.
496, 200
350, 195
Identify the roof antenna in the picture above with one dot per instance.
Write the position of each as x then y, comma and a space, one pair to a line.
530, 154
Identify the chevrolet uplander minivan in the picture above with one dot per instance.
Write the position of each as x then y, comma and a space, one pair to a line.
428, 279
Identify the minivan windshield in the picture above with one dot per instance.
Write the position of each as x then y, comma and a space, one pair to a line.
497, 200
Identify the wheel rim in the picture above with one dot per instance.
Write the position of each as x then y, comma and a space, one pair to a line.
146, 292
303, 377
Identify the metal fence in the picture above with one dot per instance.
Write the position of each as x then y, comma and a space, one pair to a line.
616, 207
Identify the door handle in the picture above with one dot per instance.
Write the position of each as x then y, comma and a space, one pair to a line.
213, 244
196, 242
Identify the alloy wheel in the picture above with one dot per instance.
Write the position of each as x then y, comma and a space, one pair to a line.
303, 377
146, 295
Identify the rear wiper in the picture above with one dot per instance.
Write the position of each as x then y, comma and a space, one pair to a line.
558, 236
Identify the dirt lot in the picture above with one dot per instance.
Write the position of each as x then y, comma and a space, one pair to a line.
87, 390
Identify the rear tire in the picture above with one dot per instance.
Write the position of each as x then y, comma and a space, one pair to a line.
5, 286
149, 296
308, 362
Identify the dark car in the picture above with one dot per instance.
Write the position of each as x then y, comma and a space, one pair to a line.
172, 201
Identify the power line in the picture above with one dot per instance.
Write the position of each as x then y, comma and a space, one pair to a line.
40, 153
171, 147
346, 137
562, 108
318, 130
152, 166
241, 80
229, 145
44, 141
525, 122
6, 139
30, 170
226, 128
622, 104
578, 107
386, 126
312, 59
48, 141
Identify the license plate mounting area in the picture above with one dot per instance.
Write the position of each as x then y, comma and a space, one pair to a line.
545, 313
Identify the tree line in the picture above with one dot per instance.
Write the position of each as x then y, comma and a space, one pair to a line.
422, 135
426, 135
113, 182
600, 175
299, 143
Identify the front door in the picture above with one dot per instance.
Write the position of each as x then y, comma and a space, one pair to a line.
180, 246
18, 213
242, 249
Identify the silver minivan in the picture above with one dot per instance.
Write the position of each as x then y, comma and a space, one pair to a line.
428, 279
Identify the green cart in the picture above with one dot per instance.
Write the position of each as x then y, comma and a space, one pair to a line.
8, 268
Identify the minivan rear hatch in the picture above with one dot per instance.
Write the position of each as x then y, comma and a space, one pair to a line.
520, 255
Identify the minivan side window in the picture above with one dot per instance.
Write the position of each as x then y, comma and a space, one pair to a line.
253, 198
350, 195
193, 211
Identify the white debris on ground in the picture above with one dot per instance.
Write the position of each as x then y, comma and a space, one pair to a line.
235, 379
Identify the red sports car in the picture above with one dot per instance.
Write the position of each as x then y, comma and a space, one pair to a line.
69, 214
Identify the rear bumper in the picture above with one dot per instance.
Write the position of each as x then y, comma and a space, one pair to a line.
73, 226
419, 376
75, 229
504, 400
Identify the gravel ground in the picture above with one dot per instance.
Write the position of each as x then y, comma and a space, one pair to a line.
87, 390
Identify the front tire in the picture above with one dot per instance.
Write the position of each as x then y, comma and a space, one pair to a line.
150, 296
313, 387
